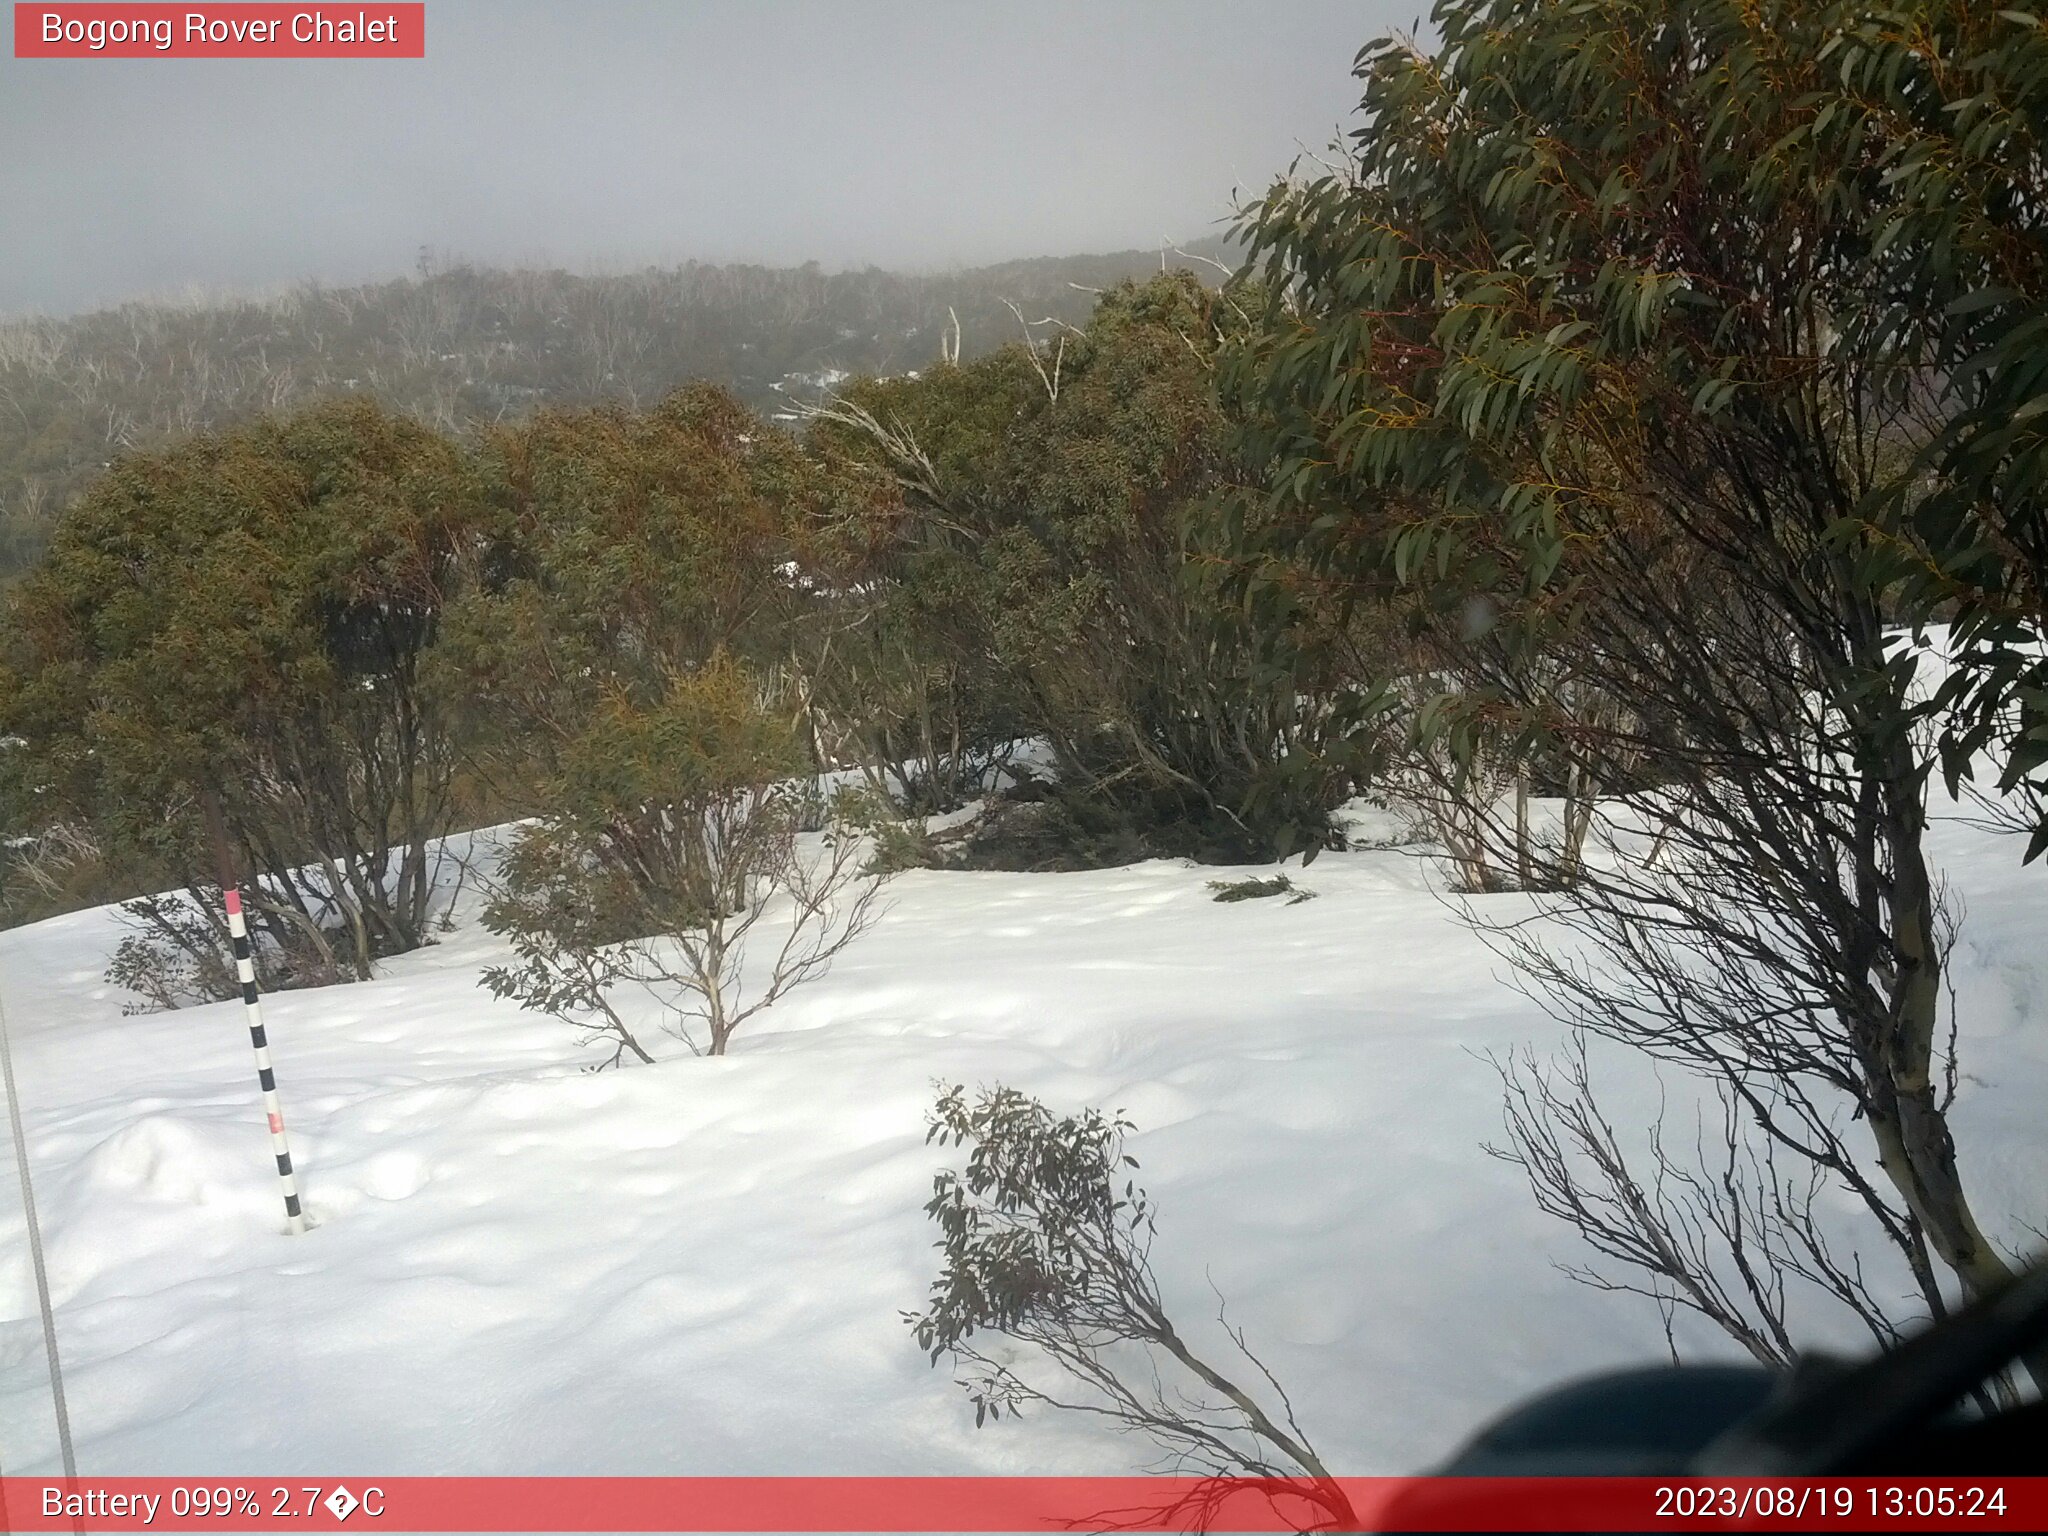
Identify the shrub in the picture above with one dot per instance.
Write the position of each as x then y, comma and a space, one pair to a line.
1046, 1241
674, 833
1253, 888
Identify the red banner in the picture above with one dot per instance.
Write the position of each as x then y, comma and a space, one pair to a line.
1023, 1504
110, 31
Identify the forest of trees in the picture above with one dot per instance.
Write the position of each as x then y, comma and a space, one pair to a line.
457, 345
1600, 430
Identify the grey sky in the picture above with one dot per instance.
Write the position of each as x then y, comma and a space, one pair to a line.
595, 133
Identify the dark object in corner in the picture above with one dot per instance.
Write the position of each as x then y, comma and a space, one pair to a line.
1911, 1412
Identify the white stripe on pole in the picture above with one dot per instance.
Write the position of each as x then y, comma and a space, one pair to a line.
266, 1079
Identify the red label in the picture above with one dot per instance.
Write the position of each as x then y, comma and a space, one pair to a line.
114, 31
1053, 1505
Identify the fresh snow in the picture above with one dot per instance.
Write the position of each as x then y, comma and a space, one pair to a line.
700, 1267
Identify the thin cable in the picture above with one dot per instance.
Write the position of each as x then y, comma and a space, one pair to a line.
35, 1248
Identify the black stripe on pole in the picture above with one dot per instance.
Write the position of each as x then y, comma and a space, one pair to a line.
238, 932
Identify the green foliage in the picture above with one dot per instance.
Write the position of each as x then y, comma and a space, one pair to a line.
1059, 539
671, 827
897, 841
255, 612
1044, 1214
634, 546
1953, 100
1049, 564
1045, 1240
173, 959
568, 920
622, 673
1252, 889
1631, 357
1559, 229
1071, 830
635, 810
1577, 239
901, 677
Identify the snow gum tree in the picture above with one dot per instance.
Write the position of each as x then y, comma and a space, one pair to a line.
1058, 530
1597, 352
257, 612
1953, 98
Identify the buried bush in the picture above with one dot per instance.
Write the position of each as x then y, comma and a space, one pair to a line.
1046, 1242
174, 957
1253, 889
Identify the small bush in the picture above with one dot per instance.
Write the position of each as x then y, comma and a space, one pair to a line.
179, 956
896, 841
172, 972
1252, 888
1056, 834
674, 831
811, 806
901, 845
1046, 1239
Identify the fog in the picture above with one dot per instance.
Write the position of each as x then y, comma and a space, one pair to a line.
605, 135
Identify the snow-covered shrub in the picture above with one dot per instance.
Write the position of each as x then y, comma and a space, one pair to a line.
1047, 1241
1253, 889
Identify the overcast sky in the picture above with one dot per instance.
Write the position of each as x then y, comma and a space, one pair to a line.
605, 133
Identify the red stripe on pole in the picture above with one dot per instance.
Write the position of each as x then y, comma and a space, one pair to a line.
276, 1123
233, 898
988, 1504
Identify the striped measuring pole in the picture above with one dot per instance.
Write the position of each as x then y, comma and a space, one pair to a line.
245, 968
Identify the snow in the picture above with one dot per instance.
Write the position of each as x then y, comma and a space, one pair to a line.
697, 1267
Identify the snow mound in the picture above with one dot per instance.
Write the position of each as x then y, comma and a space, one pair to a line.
166, 1159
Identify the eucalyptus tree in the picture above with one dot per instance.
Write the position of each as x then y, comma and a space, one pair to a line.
1060, 522
253, 615
1574, 352
1955, 96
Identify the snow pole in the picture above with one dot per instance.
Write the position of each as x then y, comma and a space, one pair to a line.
39, 1267
266, 1078
245, 971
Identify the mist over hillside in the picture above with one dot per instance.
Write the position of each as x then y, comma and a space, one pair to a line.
459, 345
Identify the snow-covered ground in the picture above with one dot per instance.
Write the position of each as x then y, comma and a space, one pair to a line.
700, 1266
